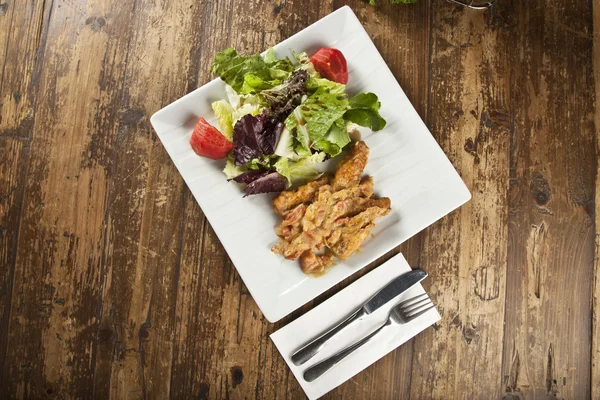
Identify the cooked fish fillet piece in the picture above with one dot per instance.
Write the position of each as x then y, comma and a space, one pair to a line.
304, 194
351, 168
312, 263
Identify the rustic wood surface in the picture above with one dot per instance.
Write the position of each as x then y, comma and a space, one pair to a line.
113, 284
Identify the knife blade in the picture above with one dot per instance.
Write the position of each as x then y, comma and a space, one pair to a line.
393, 289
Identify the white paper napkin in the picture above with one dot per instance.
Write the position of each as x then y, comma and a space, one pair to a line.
292, 336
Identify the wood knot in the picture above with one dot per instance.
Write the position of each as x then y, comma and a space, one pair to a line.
540, 189
3, 8
105, 335
96, 23
131, 116
277, 9
144, 332
237, 376
469, 332
497, 119
203, 391
471, 148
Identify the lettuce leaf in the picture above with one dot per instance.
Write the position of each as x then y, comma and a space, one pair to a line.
337, 138
364, 111
311, 121
314, 83
304, 63
286, 146
231, 170
242, 104
255, 137
224, 113
271, 182
279, 68
282, 99
304, 169
251, 74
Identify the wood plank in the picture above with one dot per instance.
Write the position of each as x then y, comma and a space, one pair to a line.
465, 253
52, 326
551, 227
12, 174
146, 207
595, 387
23, 30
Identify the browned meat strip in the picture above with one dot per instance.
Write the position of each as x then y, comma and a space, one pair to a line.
351, 168
312, 263
335, 217
304, 194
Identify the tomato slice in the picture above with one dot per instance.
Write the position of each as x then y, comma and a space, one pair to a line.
331, 64
208, 141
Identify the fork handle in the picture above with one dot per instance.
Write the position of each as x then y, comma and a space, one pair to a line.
319, 369
313, 347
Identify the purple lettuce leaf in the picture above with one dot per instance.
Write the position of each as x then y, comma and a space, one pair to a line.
254, 137
271, 132
250, 176
271, 182
245, 131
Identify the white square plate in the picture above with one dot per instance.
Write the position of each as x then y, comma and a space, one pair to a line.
406, 163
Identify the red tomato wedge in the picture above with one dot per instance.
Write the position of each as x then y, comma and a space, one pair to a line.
208, 141
331, 64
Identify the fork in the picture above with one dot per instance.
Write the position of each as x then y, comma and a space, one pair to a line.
402, 313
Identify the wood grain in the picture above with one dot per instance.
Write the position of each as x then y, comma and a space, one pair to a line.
144, 220
595, 376
466, 252
551, 221
114, 285
59, 256
23, 28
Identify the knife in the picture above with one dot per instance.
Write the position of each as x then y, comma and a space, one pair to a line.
396, 287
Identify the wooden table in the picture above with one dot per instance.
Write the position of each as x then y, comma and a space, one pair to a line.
113, 284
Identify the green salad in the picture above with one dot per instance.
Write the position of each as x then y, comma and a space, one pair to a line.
281, 118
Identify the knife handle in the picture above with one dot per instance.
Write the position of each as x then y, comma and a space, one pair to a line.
307, 352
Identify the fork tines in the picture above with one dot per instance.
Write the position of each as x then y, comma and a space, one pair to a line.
416, 306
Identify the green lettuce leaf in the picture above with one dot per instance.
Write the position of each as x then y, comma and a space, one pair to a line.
314, 83
364, 111
304, 169
231, 170
304, 62
311, 121
242, 104
337, 138
278, 68
283, 167
286, 146
234, 70
224, 114
254, 84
